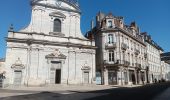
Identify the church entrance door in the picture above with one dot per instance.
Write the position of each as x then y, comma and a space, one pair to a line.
86, 77
55, 74
58, 76
17, 77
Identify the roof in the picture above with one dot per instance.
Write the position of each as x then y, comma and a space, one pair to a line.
165, 57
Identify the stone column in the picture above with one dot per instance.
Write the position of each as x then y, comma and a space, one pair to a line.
128, 76
139, 77
135, 76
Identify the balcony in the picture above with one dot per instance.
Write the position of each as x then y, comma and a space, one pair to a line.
111, 63
138, 66
126, 63
124, 46
137, 52
110, 45
117, 62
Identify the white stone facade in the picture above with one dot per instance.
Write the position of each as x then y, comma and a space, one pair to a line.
37, 55
120, 56
154, 62
156, 66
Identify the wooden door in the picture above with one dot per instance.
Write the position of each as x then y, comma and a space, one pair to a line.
58, 76
86, 77
17, 78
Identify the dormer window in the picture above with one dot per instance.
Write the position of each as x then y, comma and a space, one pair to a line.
57, 25
110, 24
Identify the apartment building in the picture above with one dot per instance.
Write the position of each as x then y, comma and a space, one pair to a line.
165, 57
156, 66
121, 57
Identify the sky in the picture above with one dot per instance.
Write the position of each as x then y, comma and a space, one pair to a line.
152, 16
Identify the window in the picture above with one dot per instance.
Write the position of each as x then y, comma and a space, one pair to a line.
110, 38
110, 24
111, 56
57, 25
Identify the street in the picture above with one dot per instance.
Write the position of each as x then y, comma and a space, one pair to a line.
147, 92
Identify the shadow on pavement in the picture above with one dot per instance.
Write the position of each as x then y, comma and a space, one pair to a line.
147, 92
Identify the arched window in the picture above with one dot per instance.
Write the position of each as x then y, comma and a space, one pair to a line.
57, 25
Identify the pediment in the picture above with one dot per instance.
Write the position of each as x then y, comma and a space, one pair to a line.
70, 5
86, 67
18, 65
56, 54
57, 14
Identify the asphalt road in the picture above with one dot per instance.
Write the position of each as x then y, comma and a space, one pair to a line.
148, 92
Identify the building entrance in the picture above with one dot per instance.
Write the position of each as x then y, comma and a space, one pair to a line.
112, 77
86, 77
55, 74
132, 76
17, 77
58, 76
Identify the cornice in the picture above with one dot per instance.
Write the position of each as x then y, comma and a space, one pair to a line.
119, 29
52, 35
45, 42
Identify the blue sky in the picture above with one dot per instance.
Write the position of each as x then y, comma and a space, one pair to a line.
152, 16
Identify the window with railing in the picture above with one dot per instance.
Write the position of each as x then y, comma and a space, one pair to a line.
111, 56
110, 38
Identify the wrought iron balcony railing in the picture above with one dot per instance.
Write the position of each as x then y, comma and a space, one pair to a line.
117, 62
110, 45
138, 66
126, 63
124, 46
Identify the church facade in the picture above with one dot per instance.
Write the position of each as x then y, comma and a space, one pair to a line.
51, 49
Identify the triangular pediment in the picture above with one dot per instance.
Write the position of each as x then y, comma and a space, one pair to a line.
85, 67
56, 54
70, 5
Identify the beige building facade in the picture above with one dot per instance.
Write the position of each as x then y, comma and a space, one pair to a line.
156, 66
121, 53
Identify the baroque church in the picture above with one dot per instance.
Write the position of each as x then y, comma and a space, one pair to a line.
51, 49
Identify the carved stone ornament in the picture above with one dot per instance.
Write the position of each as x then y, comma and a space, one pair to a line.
57, 14
56, 54
85, 67
18, 65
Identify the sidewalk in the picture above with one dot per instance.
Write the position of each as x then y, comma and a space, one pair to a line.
61, 89
70, 87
